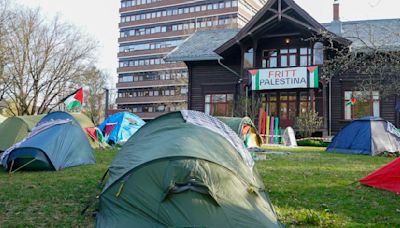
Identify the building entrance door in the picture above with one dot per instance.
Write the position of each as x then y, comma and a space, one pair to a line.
288, 108
287, 105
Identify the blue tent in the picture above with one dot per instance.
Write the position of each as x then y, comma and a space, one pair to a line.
57, 116
53, 144
368, 135
126, 125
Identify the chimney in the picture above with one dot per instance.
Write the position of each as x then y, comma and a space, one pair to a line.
336, 24
336, 7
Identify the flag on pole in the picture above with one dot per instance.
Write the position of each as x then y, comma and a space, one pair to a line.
74, 100
352, 101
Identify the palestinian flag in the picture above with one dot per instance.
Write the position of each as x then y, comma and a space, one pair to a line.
313, 81
95, 134
108, 129
255, 79
74, 100
352, 101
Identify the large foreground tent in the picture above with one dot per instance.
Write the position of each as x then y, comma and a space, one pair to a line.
368, 135
184, 169
126, 124
16, 128
245, 129
54, 144
387, 177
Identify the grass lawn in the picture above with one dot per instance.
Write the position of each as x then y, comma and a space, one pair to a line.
308, 189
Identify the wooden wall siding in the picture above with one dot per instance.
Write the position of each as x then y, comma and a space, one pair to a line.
209, 78
349, 82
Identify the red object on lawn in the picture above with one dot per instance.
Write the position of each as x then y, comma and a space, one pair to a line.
387, 177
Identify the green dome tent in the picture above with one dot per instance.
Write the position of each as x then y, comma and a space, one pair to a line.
15, 128
245, 129
53, 144
175, 173
2, 118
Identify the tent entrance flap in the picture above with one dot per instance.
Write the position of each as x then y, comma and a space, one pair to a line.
24, 156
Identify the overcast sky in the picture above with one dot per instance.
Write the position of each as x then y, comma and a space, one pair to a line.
100, 18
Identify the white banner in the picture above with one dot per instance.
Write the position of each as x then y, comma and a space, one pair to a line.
284, 78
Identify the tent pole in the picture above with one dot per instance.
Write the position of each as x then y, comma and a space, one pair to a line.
23, 166
12, 164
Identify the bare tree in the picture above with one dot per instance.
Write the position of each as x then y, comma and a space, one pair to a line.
44, 60
94, 104
5, 16
373, 58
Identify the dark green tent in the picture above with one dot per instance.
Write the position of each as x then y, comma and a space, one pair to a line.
2, 118
172, 173
15, 128
245, 129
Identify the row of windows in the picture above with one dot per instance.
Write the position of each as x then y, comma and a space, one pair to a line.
156, 108
203, 22
287, 57
150, 46
137, 2
142, 62
153, 92
177, 11
154, 75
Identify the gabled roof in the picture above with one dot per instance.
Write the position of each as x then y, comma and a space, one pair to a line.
201, 45
381, 34
272, 13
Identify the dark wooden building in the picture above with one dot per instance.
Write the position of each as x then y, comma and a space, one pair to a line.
278, 57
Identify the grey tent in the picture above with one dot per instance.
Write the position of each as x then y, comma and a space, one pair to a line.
183, 171
52, 145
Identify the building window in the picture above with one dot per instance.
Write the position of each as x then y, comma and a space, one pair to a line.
288, 57
318, 53
364, 105
248, 58
291, 57
305, 56
305, 102
270, 59
219, 104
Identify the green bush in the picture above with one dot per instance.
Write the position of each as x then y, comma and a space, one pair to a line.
312, 142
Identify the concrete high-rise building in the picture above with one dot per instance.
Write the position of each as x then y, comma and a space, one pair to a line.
149, 29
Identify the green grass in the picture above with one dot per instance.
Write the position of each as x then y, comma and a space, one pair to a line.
306, 149
321, 189
307, 189
52, 199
